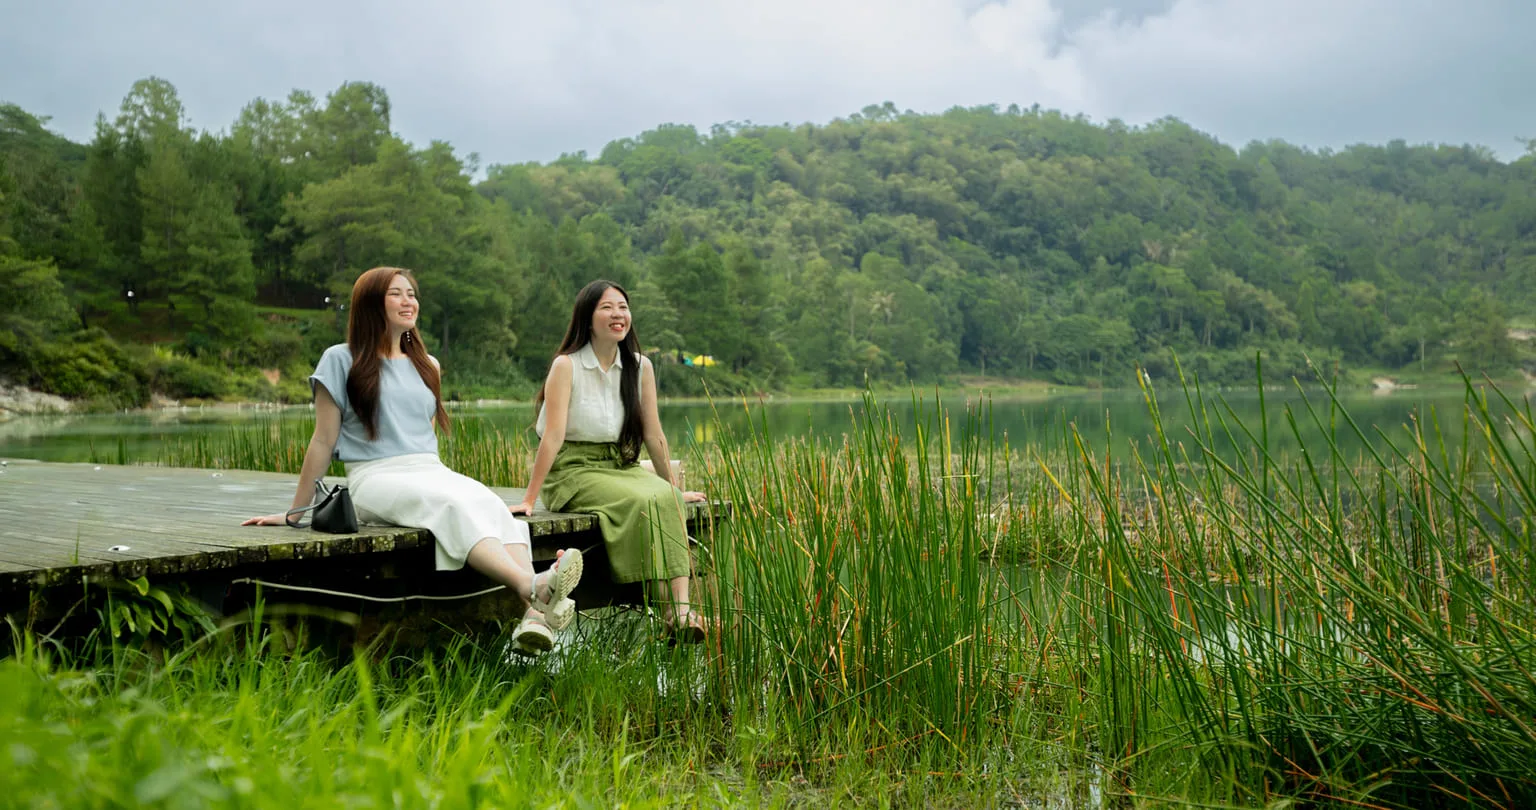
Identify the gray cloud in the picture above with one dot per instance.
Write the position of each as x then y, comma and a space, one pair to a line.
521, 81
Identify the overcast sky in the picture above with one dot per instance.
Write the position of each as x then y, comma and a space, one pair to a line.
518, 81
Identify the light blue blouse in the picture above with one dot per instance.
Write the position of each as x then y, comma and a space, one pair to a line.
406, 408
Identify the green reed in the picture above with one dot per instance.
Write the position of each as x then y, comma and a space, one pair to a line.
1198, 624
277, 444
267, 443
1359, 633
488, 454
852, 579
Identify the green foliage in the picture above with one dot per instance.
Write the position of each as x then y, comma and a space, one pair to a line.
1213, 623
137, 613
87, 364
274, 344
679, 380
35, 189
695, 282
184, 378
885, 247
32, 306
193, 246
1316, 661
1481, 334
460, 727
478, 377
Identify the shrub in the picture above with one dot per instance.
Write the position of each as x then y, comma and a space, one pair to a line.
184, 378
294, 389
88, 364
251, 386
676, 380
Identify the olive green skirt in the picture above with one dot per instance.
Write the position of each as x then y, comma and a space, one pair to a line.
640, 516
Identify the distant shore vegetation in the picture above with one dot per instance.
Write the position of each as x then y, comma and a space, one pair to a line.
884, 248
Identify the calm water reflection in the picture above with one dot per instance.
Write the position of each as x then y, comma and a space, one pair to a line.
1034, 422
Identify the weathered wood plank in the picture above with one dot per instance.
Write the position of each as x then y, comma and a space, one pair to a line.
17, 544
59, 522
96, 534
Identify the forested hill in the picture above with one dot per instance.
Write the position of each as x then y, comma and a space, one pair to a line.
886, 246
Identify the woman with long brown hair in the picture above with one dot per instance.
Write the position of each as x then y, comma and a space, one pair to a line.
596, 409
377, 398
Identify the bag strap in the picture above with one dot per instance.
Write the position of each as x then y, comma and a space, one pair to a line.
294, 524
321, 493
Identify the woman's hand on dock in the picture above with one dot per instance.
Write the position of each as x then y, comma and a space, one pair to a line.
279, 519
520, 508
694, 497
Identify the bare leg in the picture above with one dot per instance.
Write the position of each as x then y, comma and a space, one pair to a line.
509, 565
513, 568
671, 597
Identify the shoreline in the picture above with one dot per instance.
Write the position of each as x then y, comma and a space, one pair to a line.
19, 401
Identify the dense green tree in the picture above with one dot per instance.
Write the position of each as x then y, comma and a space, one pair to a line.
1481, 333
193, 248
151, 110
33, 305
885, 246
757, 346
269, 161
697, 284
351, 130
40, 167
365, 217
112, 192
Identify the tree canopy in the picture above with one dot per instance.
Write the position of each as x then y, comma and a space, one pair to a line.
886, 245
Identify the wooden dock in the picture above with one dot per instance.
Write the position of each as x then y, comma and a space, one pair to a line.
66, 524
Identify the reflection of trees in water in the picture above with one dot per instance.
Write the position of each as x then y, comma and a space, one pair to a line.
82, 437
223, 415
1118, 421
26, 427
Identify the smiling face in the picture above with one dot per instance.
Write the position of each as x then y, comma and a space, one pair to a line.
400, 307
610, 319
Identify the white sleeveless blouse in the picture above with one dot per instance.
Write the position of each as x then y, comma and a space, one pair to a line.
597, 412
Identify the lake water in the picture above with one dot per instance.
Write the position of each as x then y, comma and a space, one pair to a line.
1041, 422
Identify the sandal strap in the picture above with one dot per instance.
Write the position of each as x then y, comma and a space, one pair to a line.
549, 575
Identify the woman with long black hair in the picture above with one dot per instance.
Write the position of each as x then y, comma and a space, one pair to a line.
377, 398
596, 409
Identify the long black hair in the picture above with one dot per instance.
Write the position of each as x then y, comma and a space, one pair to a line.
579, 334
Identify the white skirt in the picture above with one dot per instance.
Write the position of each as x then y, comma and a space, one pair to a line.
416, 491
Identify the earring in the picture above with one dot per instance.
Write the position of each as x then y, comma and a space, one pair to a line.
407, 339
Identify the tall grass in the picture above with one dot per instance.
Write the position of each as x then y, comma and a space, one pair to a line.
268, 443
254, 728
277, 444
1204, 621
237, 721
1321, 629
853, 580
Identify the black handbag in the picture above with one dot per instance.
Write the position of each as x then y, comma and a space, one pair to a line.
332, 510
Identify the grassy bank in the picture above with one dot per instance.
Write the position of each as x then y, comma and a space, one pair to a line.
467, 726
1198, 625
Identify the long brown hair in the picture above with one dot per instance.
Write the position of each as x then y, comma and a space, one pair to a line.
579, 334
368, 338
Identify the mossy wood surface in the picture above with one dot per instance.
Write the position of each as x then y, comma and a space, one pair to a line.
65, 523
